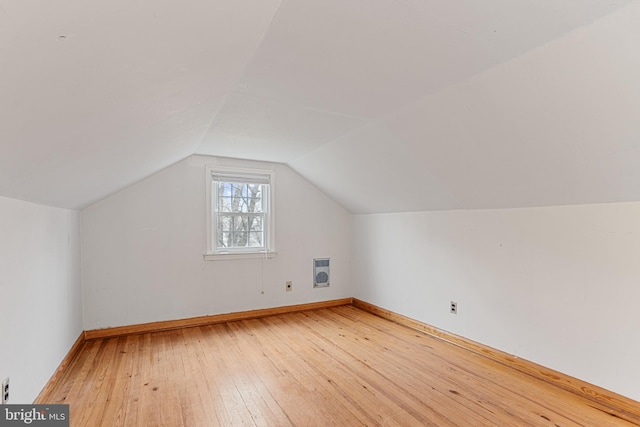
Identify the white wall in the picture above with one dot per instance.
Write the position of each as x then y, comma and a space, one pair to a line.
143, 250
40, 293
558, 286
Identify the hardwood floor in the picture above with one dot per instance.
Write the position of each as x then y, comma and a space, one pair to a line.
338, 366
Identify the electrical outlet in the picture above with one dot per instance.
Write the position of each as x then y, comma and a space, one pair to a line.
289, 286
454, 307
5, 391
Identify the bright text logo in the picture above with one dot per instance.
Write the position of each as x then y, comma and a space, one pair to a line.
36, 415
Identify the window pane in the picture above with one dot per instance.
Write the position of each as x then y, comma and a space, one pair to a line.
255, 239
240, 223
241, 205
224, 240
256, 224
224, 189
239, 239
224, 204
225, 223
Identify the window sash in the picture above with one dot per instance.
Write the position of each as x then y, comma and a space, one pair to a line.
240, 197
241, 231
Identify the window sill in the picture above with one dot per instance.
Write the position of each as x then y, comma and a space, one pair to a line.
236, 255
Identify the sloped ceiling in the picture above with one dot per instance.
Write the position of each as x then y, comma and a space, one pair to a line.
386, 105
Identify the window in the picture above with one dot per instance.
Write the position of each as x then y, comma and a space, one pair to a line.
240, 213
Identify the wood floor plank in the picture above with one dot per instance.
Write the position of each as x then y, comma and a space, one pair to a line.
292, 361
337, 366
204, 397
383, 396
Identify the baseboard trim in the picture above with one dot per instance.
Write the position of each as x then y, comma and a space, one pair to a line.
612, 403
73, 352
209, 320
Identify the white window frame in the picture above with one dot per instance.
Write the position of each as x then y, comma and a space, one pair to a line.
213, 253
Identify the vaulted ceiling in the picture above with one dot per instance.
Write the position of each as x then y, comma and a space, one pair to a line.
386, 105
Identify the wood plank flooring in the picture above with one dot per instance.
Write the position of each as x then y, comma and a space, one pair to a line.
338, 366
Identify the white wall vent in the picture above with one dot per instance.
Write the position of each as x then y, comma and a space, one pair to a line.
320, 272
